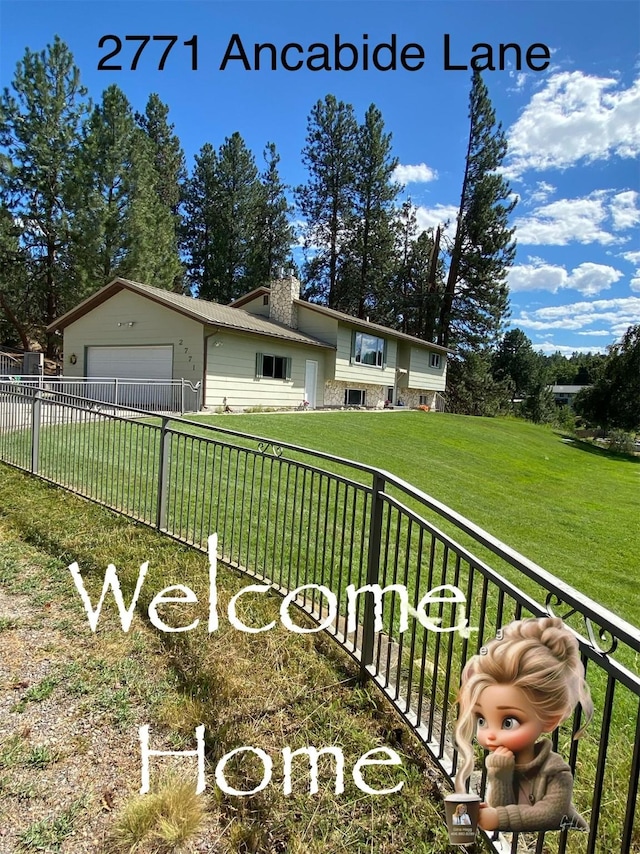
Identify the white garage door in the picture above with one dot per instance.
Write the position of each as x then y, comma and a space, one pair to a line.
126, 363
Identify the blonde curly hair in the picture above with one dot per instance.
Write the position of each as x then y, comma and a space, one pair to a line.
541, 657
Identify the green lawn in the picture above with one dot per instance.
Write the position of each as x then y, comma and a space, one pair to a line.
571, 508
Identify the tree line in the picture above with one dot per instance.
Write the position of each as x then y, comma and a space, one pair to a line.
90, 191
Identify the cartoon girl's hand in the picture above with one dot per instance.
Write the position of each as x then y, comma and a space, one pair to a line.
503, 751
488, 818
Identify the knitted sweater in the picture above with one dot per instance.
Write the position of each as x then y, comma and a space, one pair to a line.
551, 786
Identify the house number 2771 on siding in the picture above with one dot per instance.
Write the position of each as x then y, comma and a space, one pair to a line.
104, 65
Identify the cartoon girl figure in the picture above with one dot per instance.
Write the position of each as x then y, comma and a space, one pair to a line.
460, 815
525, 682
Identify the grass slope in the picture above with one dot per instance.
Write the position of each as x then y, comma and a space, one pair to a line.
571, 508
269, 690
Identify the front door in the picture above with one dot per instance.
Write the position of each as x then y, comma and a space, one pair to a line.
310, 380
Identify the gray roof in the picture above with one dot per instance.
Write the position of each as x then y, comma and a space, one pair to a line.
567, 389
210, 313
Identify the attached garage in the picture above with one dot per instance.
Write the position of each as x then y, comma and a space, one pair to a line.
134, 362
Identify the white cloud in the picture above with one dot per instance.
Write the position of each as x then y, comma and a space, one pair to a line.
565, 221
550, 348
624, 210
633, 258
419, 173
432, 217
590, 279
591, 219
519, 78
587, 278
537, 277
541, 193
575, 117
618, 314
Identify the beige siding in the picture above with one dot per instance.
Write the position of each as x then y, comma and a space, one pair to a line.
317, 325
257, 306
231, 368
324, 329
353, 374
152, 324
422, 375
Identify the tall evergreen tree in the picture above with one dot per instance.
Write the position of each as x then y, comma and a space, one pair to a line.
40, 125
411, 300
272, 234
614, 398
515, 360
326, 200
368, 256
169, 163
168, 156
475, 301
236, 196
122, 228
16, 305
198, 226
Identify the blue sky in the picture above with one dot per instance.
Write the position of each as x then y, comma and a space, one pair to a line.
573, 129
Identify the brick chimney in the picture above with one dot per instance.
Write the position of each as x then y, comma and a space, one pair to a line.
284, 291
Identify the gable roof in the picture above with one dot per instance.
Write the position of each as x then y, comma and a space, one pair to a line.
358, 322
203, 311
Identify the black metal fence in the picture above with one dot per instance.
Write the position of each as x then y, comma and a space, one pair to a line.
303, 519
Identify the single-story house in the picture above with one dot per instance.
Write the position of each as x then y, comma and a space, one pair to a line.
268, 348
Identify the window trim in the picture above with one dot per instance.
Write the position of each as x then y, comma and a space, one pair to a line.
361, 391
260, 374
381, 352
435, 360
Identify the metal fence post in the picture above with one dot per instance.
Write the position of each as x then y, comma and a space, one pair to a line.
36, 411
182, 388
115, 391
163, 476
373, 571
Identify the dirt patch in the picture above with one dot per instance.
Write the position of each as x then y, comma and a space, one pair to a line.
69, 749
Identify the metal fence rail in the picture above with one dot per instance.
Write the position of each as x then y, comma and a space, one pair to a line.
298, 517
149, 395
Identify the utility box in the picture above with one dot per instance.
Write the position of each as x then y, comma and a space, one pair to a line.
33, 364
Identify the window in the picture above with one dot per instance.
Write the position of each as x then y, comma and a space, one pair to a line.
424, 400
275, 367
265, 299
367, 349
434, 360
354, 397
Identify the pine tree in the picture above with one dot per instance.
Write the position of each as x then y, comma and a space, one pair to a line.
475, 301
326, 200
169, 164
40, 125
168, 157
198, 223
614, 398
368, 255
272, 234
236, 196
16, 319
515, 360
122, 228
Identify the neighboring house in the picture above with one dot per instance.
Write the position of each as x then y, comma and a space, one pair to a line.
269, 348
564, 395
